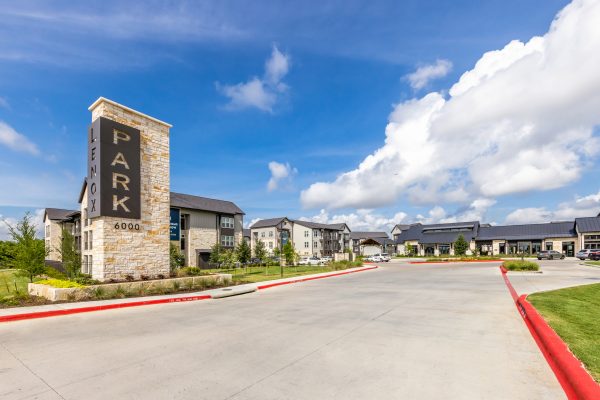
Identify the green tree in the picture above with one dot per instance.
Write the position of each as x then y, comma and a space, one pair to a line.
243, 252
177, 260
215, 253
227, 258
7, 253
30, 253
408, 249
289, 253
69, 251
260, 251
276, 252
461, 246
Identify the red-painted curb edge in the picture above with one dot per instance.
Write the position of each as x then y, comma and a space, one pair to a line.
270, 285
448, 262
67, 311
570, 372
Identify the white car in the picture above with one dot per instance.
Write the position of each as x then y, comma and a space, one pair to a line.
385, 257
310, 261
374, 258
327, 259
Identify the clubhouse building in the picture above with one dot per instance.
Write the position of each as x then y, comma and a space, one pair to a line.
566, 236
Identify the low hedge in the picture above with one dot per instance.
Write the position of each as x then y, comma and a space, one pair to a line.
519, 265
59, 283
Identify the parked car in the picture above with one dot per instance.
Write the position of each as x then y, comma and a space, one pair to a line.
583, 254
327, 259
385, 257
255, 260
310, 261
374, 258
595, 255
550, 255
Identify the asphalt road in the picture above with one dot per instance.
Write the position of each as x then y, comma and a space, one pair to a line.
400, 332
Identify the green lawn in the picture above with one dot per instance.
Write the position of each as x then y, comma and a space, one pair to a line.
8, 278
573, 314
593, 263
259, 274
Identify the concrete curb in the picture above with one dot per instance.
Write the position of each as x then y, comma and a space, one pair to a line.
570, 372
215, 294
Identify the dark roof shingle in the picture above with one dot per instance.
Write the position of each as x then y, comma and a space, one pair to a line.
204, 203
527, 232
268, 222
589, 224
59, 214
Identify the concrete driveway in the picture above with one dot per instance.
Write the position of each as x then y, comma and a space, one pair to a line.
400, 332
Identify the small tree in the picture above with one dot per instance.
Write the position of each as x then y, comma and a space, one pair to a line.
30, 253
461, 246
276, 252
177, 260
260, 251
408, 249
227, 258
289, 253
243, 252
71, 258
215, 253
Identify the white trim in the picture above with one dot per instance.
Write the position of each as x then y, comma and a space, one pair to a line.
114, 103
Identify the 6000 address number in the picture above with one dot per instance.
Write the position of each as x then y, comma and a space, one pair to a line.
128, 226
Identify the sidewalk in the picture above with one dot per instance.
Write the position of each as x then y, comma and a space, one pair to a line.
16, 313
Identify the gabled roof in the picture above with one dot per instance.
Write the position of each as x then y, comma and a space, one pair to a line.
368, 235
401, 227
59, 214
439, 233
269, 222
589, 224
316, 225
528, 231
204, 203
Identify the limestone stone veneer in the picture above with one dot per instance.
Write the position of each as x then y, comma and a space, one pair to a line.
116, 253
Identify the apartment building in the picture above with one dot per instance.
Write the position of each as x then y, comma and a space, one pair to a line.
368, 243
55, 221
308, 238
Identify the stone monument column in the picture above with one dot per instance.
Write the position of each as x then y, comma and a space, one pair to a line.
128, 194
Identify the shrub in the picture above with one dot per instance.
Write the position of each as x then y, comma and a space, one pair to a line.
520, 265
144, 277
53, 273
129, 278
190, 271
58, 283
85, 279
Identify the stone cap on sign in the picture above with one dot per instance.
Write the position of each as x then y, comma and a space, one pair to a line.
114, 103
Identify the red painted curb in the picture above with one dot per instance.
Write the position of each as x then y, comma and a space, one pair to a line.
53, 313
270, 285
448, 262
574, 379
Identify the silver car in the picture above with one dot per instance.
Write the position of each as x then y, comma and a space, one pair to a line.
550, 255
583, 254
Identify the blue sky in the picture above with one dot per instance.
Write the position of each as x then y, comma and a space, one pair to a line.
340, 71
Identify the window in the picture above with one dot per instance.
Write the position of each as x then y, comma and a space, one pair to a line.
226, 241
549, 246
47, 230
182, 242
316, 233
90, 239
306, 233
270, 234
306, 244
182, 224
47, 245
85, 240
316, 244
85, 218
226, 222
85, 264
262, 234
90, 264
270, 245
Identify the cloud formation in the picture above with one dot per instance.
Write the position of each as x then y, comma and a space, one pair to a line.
521, 120
426, 73
16, 141
279, 173
261, 93
360, 220
586, 206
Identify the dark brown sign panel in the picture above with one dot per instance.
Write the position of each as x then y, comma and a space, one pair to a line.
113, 170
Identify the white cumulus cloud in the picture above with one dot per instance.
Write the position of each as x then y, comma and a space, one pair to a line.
360, 220
37, 218
16, 141
279, 172
261, 93
521, 120
426, 73
586, 206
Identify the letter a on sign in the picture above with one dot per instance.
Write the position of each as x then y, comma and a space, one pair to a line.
120, 159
